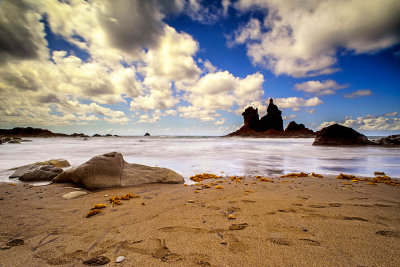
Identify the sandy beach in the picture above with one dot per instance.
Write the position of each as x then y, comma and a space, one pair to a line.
288, 222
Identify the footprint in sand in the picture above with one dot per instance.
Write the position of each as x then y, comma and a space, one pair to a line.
347, 218
317, 206
389, 233
280, 241
309, 242
248, 201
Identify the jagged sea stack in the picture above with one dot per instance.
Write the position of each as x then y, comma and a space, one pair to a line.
273, 119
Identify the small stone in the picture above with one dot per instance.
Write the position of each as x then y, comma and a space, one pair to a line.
105, 195
97, 261
74, 194
120, 259
231, 216
15, 242
191, 201
240, 226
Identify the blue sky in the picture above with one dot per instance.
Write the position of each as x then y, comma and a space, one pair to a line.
190, 67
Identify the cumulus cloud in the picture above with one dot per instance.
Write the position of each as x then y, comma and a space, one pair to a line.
221, 90
300, 38
289, 117
295, 103
328, 87
134, 58
359, 93
21, 32
388, 122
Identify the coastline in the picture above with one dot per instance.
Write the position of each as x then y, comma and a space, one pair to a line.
290, 221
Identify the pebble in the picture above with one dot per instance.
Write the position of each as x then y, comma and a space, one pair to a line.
97, 261
74, 194
105, 195
231, 216
191, 201
120, 259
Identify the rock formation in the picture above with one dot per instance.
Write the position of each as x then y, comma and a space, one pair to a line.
40, 171
273, 119
146, 134
337, 135
111, 170
391, 140
36, 173
271, 125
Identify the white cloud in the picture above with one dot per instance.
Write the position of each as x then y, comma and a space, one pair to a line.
192, 112
220, 122
302, 38
388, 122
146, 118
296, 103
328, 87
359, 93
289, 117
311, 110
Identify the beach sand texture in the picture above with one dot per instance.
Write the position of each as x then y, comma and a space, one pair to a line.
289, 222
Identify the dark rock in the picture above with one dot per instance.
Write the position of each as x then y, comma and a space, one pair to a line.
250, 117
271, 125
97, 261
108, 135
78, 135
34, 172
273, 119
111, 170
293, 126
29, 131
298, 130
15, 242
146, 134
96, 135
338, 135
389, 140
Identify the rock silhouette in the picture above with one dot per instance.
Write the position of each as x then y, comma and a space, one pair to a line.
336, 135
271, 125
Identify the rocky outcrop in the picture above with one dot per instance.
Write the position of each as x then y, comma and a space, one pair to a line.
111, 170
272, 120
36, 173
298, 130
28, 132
271, 125
146, 134
40, 171
391, 140
338, 135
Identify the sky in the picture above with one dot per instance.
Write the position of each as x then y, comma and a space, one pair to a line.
191, 67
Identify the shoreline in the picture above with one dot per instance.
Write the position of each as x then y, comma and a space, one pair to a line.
290, 221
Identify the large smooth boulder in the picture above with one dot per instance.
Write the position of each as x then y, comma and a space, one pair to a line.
339, 135
36, 173
111, 170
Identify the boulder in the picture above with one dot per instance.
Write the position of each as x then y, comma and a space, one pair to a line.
55, 163
111, 170
35, 173
389, 140
338, 135
146, 134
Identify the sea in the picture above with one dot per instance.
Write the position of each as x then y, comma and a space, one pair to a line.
189, 155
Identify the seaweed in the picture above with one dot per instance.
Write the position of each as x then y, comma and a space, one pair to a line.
202, 177
98, 206
295, 175
93, 212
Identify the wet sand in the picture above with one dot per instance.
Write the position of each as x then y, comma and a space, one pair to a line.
288, 222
